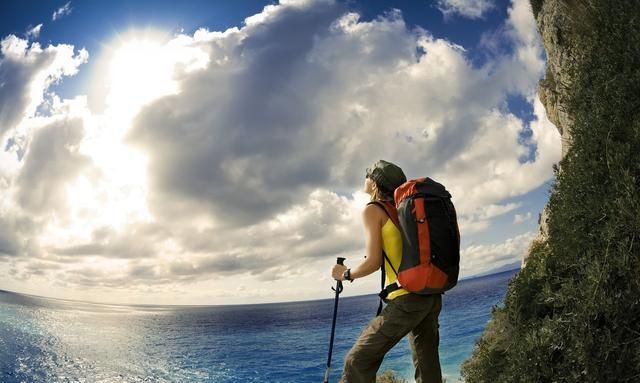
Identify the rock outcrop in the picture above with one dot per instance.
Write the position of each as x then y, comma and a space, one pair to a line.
556, 26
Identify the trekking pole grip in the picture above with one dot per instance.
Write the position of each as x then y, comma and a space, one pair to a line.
339, 288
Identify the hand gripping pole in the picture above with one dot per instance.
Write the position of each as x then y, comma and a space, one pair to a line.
338, 290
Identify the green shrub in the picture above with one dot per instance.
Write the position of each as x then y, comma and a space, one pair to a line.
389, 377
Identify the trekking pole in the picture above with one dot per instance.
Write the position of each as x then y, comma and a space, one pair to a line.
338, 290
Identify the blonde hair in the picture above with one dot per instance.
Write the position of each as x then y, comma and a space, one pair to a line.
379, 195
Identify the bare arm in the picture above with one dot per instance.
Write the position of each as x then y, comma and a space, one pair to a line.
372, 218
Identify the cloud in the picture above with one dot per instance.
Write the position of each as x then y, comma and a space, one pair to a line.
62, 11
480, 219
476, 259
473, 9
9, 243
324, 225
249, 127
139, 241
36, 149
17, 235
34, 32
519, 218
249, 172
34, 197
51, 161
309, 122
26, 71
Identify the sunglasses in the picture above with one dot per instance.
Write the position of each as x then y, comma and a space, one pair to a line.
367, 173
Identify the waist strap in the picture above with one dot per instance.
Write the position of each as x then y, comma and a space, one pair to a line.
388, 290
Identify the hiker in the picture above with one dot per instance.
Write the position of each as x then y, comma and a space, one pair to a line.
405, 312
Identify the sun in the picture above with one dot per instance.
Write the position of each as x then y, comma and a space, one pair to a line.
140, 71
135, 69
142, 67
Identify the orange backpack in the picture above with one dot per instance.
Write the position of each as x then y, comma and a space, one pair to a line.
427, 220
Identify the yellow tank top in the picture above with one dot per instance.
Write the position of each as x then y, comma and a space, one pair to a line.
392, 246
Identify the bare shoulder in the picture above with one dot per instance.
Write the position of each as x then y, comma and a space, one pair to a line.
372, 213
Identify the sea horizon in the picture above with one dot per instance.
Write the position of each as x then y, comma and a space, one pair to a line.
45, 338
478, 276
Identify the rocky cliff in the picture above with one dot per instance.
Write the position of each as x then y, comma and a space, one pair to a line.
571, 314
557, 27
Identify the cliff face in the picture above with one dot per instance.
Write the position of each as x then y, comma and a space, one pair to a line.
571, 315
557, 29
555, 25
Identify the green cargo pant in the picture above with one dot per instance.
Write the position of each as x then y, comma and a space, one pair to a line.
416, 315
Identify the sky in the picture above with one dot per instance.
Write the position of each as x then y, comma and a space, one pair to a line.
215, 152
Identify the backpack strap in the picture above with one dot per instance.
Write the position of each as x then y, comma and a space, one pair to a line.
392, 213
382, 294
390, 209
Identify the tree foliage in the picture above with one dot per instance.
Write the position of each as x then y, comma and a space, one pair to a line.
572, 314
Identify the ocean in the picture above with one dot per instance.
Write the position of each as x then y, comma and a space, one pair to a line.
51, 340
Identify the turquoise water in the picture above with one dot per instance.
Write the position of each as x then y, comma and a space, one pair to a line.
49, 340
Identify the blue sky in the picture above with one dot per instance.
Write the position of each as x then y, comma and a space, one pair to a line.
95, 22
161, 153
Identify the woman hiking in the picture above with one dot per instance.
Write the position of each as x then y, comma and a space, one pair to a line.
405, 312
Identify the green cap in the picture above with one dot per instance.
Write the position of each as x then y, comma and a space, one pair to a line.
387, 175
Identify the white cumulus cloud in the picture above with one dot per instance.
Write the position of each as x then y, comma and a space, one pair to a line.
247, 170
482, 258
26, 71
